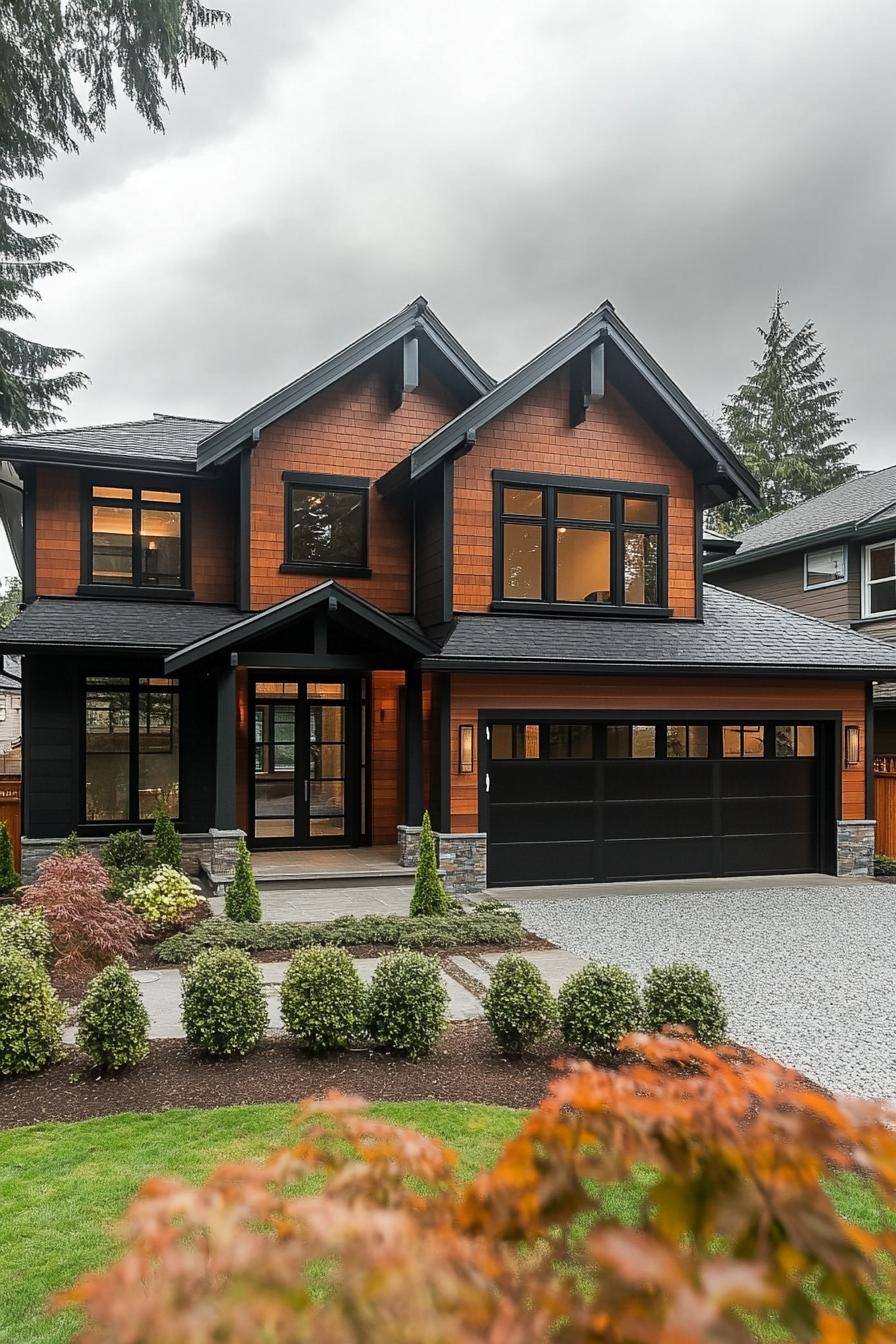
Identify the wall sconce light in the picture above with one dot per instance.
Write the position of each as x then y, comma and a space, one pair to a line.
465, 749
853, 754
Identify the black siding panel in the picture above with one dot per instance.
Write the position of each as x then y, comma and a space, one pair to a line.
50, 729
198, 702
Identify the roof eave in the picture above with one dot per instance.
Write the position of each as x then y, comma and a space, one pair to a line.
99, 461
580, 667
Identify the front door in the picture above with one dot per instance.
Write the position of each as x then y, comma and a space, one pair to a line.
308, 763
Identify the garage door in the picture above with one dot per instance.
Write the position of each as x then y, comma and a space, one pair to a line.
586, 801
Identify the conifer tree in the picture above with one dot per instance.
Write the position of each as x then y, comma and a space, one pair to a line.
9, 878
429, 896
167, 847
784, 425
241, 900
62, 62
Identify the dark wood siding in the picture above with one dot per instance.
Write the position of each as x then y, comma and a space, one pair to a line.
50, 732
432, 553
780, 580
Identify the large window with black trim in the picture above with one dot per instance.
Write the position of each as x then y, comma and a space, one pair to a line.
564, 541
134, 537
325, 524
131, 748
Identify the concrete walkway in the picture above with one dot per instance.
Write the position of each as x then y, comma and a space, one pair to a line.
308, 905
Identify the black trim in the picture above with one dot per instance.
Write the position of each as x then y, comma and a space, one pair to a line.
137, 484
448, 540
120, 590
413, 747
347, 485
600, 484
869, 752
111, 462
244, 555
346, 571
443, 812
135, 690
314, 478
29, 535
698, 551
225, 751
593, 668
521, 607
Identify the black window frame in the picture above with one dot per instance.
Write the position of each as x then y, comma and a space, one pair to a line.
137, 684
90, 587
357, 485
618, 491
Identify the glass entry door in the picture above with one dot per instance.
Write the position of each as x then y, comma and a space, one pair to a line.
308, 775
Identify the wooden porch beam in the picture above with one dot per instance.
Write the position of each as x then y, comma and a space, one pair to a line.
225, 755
314, 662
413, 747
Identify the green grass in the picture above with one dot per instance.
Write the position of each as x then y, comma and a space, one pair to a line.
63, 1186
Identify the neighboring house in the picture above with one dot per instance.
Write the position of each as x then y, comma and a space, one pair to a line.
11, 717
396, 584
833, 556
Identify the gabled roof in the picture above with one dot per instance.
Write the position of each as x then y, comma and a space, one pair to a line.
417, 317
631, 369
856, 507
166, 442
330, 595
738, 635
65, 624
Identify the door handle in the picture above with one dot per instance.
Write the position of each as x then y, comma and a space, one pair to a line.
487, 782
306, 790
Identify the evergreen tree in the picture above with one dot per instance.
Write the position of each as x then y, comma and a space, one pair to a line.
9, 878
783, 423
10, 588
241, 900
167, 847
62, 62
429, 897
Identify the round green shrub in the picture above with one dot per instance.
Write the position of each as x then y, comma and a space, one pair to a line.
685, 996
406, 1004
164, 897
112, 1022
322, 999
31, 1015
27, 931
597, 1007
223, 1005
519, 1005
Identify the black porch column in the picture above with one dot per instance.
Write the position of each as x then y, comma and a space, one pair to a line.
413, 747
225, 757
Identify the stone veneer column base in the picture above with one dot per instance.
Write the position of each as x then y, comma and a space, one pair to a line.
461, 858
855, 848
197, 848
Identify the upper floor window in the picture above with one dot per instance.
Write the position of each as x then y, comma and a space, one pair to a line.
136, 537
879, 587
824, 568
560, 541
326, 523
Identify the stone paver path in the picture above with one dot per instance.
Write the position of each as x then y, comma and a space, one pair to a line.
308, 905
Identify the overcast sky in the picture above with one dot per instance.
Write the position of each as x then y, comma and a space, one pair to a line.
514, 162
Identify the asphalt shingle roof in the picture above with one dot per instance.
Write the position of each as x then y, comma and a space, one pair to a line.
171, 438
850, 503
736, 632
84, 622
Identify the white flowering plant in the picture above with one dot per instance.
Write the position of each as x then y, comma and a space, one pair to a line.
164, 898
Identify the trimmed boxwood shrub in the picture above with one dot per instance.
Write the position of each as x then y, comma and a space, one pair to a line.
502, 928
519, 1005
597, 1006
31, 1015
322, 999
406, 1004
27, 931
112, 1021
241, 900
223, 1005
164, 897
125, 857
685, 996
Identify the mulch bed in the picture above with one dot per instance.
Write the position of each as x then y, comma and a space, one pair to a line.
465, 1066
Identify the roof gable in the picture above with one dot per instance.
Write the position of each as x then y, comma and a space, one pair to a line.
637, 376
417, 319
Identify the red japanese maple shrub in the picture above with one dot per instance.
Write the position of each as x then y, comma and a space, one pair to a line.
88, 932
727, 1226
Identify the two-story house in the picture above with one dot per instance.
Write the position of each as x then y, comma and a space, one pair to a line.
396, 583
834, 557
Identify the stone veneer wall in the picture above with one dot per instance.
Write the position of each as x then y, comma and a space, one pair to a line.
197, 852
855, 848
461, 858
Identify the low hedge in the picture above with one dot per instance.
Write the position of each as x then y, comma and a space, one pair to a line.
502, 927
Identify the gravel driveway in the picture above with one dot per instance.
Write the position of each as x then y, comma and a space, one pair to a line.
808, 971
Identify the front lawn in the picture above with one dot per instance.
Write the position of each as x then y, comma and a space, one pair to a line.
63, 1186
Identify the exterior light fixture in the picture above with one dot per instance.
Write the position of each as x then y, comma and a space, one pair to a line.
853, 753
465, 749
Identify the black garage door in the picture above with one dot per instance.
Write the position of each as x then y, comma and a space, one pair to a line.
593, 801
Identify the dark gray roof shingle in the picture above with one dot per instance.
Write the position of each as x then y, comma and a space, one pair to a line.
170, 438
852, 503
63, 622
737, 632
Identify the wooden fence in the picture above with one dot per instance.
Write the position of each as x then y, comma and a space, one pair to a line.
11, 813
885, 805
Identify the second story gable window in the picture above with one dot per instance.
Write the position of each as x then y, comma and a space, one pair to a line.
561, 543
879, 587
325, 524
824, 568
134, 538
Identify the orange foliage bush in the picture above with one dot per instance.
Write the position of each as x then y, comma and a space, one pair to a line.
732, 1227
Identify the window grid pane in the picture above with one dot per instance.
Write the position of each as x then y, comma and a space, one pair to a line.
522, 561
326, 526
112, 544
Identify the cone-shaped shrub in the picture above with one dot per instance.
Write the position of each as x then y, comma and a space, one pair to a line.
112, 1021
322, 1000
430, 897
597, 1007
519, 1005
406, 1004
9, 878
685, 996
167, 850
223, 1004
242, 901
31, 1015
70, 846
